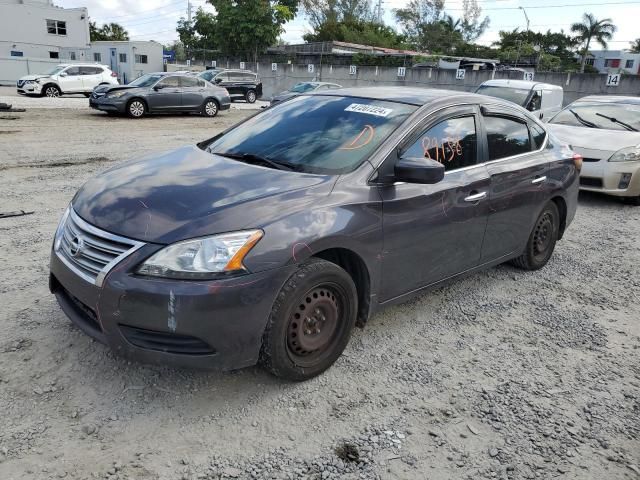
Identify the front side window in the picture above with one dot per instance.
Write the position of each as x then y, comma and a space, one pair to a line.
515, 95
122, 57
171, 82
315, 134
56, 27
452, 142
506, 137
72, 71
605, 115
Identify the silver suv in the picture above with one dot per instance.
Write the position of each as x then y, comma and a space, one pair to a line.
67, 78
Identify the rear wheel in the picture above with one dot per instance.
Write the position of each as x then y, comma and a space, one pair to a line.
210, 108
311, 321
51, 91
136, 108
250, 96
542, 240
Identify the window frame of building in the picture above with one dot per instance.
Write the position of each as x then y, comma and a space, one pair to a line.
590, 61
629, 63
97, 57
611, 63
141, 58
72, 56
56, 27
17, 53
122, 57
55, 55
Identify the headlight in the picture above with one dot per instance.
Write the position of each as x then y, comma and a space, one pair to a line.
117, 94
202, 258
628, 154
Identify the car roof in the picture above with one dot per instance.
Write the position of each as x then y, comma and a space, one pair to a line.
504, 82
610, 99
411, 95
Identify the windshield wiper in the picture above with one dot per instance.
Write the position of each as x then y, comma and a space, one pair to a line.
253, 159
584, 122
615, 120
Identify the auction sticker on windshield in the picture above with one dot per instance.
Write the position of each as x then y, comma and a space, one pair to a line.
369, 109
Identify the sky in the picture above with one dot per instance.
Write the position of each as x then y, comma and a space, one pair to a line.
156, 19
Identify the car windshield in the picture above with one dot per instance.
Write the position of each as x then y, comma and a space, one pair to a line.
145, 80
515, 95
302, 87
315, 134
54, 70
608, 116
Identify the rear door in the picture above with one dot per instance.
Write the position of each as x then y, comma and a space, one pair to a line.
166, 95
192, 92
518, 168
432, 232
91, 77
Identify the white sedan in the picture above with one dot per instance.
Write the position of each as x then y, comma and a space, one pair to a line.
605, 130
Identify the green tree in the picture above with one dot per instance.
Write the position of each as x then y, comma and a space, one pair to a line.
471, 25
357, 31
635, 46
109, 31
415, 17
593, 29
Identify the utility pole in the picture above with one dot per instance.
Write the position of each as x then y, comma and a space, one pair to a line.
525, 16
190, 7
379, 11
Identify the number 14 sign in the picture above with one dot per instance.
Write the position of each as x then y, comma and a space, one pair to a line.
613, 80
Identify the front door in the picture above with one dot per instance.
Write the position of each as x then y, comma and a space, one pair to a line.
519, 184
72, 80
432, 232
166, 95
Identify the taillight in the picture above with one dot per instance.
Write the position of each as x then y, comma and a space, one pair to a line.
577, 161
114, 74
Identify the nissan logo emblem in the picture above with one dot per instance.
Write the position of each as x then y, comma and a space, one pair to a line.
76, 246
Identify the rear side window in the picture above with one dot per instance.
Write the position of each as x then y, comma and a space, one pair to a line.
249, 77
90, 70
506, 137
452, 142
538, 135
189, 81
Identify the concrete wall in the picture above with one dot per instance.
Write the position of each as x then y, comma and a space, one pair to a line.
575, 85
12, 68
23, 28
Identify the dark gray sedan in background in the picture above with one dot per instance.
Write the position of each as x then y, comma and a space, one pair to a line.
161, 93
270, 241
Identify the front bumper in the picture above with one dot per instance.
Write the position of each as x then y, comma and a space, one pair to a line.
29, 88
608, 177
108, 104
205, 324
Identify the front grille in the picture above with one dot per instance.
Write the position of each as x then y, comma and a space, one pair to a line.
585, 159
166, 342
89, 251
591, 182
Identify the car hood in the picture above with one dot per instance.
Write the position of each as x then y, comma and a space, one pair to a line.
585, 138
110, 88
33, 77
283, 96
187, 193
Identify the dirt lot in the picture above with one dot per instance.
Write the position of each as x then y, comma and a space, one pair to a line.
505, 374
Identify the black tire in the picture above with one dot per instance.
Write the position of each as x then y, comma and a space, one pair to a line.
51, 91
542, 240
210, 108
635, 201
251, 96
320, 296
87, 95
136, 108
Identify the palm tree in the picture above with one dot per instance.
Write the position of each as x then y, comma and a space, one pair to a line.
593, 29
450, 24
635, 46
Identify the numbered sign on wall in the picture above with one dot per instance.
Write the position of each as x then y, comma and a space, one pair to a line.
310, 68
274, 67
242, 66
613, 80
214, 63
460, 74
528, 76
353, 69
402, 71
188, 62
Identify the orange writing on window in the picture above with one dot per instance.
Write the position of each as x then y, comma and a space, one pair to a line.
360, 140
445, 150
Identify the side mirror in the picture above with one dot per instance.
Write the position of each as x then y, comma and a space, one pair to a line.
418, 170
158, 87
63, 74
217, 80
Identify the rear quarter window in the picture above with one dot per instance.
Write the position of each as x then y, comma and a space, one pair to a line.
506, 137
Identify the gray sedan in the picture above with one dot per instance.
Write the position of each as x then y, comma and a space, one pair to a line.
161, 93
304, 87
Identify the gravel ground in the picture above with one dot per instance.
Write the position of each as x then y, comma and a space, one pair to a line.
505, 374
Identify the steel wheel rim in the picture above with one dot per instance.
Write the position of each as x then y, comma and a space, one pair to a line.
543, 234
52, 92
136, 109
314, 323
211, 108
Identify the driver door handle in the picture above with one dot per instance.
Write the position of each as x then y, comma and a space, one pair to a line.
476, 197
538, 180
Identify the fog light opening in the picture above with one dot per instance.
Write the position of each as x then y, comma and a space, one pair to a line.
625, 179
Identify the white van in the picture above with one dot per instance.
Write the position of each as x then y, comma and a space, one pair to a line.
543, 98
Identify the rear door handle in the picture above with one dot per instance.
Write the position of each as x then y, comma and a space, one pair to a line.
476, 197
538, 180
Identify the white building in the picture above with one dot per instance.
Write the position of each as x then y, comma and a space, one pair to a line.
39, 29
129, 59
614, 61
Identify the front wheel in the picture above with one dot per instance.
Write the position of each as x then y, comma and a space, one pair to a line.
251, 96
542, 240
310, 322
136, 108
51, 91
